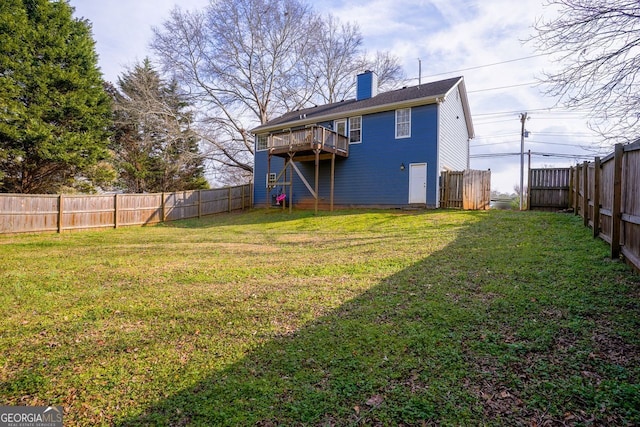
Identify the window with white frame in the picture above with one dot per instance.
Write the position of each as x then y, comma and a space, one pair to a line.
355, 130
261, 141
271, 179
340, 126
403, 123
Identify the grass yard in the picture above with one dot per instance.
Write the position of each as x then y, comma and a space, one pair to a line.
353, 318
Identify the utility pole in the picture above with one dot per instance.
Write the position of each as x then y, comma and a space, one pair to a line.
523, 118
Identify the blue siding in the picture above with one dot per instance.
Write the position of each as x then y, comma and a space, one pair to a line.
260, 176
371, 175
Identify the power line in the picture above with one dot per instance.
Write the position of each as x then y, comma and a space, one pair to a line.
533, 153
529, 141
496, 135
550, 110
481, 155
495, 121
487, 65
567, 134
502, 87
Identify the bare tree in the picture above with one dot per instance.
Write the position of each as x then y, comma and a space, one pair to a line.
247, 61
597, 43
153, 144
336, 60
244, 61
388, 68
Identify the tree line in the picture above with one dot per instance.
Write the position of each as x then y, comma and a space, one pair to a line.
219, 72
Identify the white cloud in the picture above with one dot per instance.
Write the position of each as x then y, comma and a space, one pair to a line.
122, 28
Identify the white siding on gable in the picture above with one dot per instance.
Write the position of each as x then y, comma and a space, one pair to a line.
453, 153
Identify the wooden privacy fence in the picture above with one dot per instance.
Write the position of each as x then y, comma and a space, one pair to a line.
469, 189
605, 193
549, 189
21, 213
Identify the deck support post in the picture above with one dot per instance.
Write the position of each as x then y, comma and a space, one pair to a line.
317, 162
284, 202
291, 182
267, 184
333, 178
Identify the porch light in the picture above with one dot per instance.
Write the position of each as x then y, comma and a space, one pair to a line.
401, 166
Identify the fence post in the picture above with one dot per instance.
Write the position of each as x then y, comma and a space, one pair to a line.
596, 197
444, 181
243, 187
571, 188
60, 212
199, 204
115, 210
616, 216
529, 184
229, 207
163, 207
585, 193
576, 193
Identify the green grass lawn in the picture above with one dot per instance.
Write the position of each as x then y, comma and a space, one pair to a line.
351, 318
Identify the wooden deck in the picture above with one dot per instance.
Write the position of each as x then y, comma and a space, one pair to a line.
304, 143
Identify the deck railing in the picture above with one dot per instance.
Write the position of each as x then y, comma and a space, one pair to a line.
309, 138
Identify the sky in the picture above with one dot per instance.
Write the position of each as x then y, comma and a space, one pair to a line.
482, 40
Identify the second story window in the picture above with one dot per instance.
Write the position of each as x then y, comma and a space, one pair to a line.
355, 130
403, 123
340, 126
261, 141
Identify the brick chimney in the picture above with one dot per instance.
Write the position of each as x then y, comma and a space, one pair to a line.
366, 85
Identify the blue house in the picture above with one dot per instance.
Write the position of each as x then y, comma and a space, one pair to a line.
377, 150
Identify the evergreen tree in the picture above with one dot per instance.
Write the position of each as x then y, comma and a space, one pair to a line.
154, 146
54, 113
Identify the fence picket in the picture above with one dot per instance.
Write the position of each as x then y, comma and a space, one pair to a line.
611, 186
469, 190
21, 213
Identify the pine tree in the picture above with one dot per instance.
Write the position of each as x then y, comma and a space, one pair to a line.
54, 112
154, 146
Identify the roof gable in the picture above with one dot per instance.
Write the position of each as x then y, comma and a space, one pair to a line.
423, 94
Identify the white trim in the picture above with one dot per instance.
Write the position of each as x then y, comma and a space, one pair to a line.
270, 179
257, 143
349, 136
426, 182
335, 126
438, 153
409, 134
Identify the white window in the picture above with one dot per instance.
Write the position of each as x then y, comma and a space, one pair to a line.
340, 126
403, 123
261, 141
355, 130
271, 179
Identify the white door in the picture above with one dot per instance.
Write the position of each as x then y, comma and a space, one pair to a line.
418, 183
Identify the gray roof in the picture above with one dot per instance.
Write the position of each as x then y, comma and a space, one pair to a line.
423, 94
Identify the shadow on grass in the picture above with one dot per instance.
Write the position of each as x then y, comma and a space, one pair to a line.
533, 325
